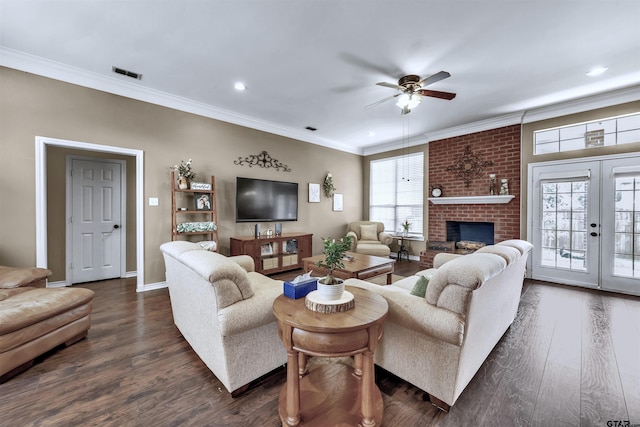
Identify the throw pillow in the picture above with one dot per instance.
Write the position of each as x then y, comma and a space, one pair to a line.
420, 288
369, 232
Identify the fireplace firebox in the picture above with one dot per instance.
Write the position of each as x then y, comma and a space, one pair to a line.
470, 231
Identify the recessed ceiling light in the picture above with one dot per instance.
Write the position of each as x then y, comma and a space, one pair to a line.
239, 86
371, 133
596, 71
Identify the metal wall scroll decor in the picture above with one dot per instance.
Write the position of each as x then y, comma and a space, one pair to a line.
264, 160
468, 166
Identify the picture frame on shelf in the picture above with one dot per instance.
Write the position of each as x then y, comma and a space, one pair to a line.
314, 193
202, 202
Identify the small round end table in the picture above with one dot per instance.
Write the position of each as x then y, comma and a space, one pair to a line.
349, 397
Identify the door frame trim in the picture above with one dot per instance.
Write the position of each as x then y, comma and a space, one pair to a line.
41, 144
69, 210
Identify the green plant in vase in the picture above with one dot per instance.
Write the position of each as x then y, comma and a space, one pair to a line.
406, 225
334, 251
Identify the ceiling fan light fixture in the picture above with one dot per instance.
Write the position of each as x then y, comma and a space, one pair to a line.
414, 100
403, 100
409, 101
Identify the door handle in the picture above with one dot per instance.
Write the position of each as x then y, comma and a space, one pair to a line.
594, 234
116, 226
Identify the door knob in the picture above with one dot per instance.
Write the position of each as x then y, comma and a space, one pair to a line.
116, 226
593, 225
594, 234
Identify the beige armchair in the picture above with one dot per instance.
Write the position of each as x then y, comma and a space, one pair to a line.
369, 238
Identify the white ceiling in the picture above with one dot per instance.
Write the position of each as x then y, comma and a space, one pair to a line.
315, 62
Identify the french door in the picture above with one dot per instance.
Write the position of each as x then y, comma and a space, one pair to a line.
585, 223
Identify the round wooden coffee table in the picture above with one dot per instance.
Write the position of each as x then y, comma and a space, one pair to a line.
346, 398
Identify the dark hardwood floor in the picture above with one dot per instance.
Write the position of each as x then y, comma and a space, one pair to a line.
572, 357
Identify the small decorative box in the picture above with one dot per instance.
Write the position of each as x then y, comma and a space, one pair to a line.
300, 289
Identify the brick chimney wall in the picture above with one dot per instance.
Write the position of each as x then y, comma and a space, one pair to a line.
502, 147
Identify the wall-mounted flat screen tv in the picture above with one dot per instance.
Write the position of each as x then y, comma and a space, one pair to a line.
259, 200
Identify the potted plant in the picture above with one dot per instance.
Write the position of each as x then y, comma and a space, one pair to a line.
330, 287
406, 225
185, 174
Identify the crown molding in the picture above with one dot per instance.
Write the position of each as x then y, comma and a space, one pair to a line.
58, 71
43, 67
593, 102
607, 99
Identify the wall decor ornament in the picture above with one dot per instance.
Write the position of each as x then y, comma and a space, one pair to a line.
468, 166
327, 185
264, 160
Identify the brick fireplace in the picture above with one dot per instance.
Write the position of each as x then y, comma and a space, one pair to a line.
500, 146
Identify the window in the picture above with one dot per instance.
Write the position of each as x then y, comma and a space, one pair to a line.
598, 133
396, 192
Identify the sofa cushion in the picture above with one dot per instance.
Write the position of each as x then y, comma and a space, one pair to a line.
451, 285
420, 287
522, 245
368, 232
509, 254
375, 249
253, 312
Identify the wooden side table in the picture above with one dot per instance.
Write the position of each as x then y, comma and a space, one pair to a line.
348, 398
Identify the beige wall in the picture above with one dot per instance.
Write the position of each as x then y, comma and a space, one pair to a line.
33, 106
527, 145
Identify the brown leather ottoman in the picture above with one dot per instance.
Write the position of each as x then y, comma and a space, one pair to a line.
36, 320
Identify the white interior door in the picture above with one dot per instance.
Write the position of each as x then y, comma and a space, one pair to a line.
586, 223
95, 220
565, 218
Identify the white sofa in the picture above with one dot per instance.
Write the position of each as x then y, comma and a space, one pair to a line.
223, 308
439, 342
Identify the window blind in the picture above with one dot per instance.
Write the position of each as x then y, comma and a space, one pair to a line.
396, 192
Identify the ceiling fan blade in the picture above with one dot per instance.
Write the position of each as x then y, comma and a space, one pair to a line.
391, 85
437, 94
434, 78
381, 101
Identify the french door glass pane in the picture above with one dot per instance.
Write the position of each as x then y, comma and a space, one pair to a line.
627, 226
564, 224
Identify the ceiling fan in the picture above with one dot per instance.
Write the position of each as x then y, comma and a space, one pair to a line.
410, 91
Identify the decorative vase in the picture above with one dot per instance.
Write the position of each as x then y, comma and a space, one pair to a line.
492, 184
183, 184
504, 187
330, 292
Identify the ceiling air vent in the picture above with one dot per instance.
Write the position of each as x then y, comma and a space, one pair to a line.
126, 73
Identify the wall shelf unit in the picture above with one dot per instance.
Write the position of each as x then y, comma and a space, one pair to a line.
194, 213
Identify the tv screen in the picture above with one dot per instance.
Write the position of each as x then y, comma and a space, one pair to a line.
259, 200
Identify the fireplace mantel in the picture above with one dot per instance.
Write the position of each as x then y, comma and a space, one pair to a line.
470, 200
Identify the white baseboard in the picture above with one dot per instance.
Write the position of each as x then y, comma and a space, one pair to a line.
58, 284
130, 274
152, 286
